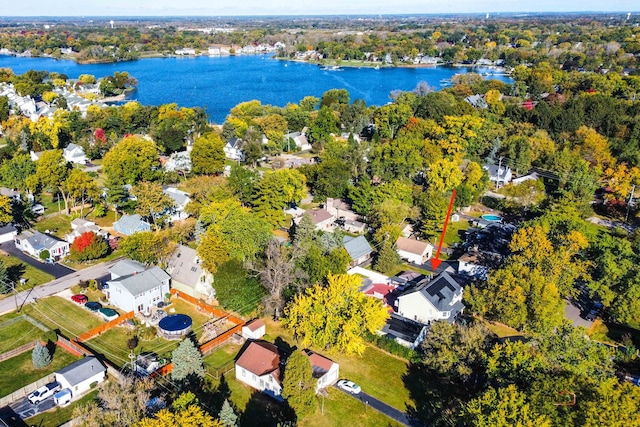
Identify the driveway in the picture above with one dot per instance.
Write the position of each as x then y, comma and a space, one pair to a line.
98, 272
23, 409
56, 270
370, 402
572, 312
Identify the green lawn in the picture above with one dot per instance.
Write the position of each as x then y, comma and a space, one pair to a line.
378, 373
455, 232
58, 225
59, 313
58, 416
23, 372
17, 334
18, 269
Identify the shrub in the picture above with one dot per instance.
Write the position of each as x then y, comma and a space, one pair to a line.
40, 356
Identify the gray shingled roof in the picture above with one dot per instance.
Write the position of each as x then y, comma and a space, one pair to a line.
356, 246
184, 267
41, 241
142, 281
129, 224
179, 197
81, 370
7, 229
126, 267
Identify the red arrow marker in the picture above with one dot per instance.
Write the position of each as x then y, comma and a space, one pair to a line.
436, 261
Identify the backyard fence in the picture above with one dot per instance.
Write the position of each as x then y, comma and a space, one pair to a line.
72, 347
104, 327
24, 391
203, 306
19, 350
209, 346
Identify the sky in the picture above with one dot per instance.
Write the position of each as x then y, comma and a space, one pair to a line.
301, 7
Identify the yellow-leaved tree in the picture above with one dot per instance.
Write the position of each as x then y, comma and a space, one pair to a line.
335, 316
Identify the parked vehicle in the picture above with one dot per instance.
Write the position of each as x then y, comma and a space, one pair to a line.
93, 306
63, 397
79, 298
43, 393
349, 386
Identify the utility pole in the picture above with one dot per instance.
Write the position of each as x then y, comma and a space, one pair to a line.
626, 217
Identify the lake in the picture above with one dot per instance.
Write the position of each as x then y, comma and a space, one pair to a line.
220, 83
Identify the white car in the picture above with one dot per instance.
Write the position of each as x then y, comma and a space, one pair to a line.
349, 386
43, 392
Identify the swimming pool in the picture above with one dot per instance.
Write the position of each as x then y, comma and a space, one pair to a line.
492, 218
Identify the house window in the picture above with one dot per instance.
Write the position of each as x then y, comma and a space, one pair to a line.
244, 373
255, 378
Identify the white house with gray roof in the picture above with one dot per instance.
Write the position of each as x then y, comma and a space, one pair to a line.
79, 226
80, 375
358, 249
34, 242
180, 202
134, 287
431, 300
130, 224
187, 274
75, 154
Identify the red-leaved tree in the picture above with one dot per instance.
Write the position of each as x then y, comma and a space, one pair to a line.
88, 246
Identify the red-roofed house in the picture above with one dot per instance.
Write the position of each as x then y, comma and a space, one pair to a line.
326, 371
254, 330
259, 367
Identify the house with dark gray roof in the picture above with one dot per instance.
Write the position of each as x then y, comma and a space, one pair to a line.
499, 174
130, 224
80, 375
8, 233
406, 332
358, 249
134, 287
434, 299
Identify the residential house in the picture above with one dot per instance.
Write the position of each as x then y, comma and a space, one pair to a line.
339, 209
133, 287
322, 219
259, 367
185, 51
34, 243
358, 249
353, 226
187, 274
415, 251
130, 224
75, 154
499, 174
477, 101
14, 195
180, 202
179, 161
299, 139
233, 149
325, 371
8, 233
405, 332
79, 226
431, 300
80, 376
533, 176
476, 264
254, 330
147, 363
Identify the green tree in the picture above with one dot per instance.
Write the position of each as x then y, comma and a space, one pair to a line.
207, 155
131, 160
322, 127
227, 416
276, 190
503, 407
299, 385
188, 365
81, 186
151, 201
14, 172
148, 247
390, 118
213, 249
52, 171
40, 356
387, 259
335, 316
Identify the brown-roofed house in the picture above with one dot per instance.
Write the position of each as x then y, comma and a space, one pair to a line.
326, 371
321, 218
254, 330
412, 250
259, 367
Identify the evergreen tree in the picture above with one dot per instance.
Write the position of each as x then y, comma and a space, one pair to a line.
387, 258
299, 386
227, 415
40, 356
187, 363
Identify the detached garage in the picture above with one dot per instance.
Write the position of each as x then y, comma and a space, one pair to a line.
79, 376
8, 233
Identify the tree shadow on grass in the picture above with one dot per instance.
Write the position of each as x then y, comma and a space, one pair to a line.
263, 411
15, 272
435, 401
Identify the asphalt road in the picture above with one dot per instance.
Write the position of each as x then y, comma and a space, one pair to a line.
56, 270
98, 272
25, 409
370, 402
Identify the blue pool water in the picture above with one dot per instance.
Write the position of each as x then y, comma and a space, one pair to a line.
492, 218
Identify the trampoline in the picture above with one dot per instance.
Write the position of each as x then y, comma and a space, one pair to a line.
175, 325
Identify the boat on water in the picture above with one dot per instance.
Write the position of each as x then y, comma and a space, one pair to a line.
332, 68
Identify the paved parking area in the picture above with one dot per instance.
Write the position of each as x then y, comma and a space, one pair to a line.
22, 409
56, 270
572, 312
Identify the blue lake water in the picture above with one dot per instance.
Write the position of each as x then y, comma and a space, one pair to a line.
220, 83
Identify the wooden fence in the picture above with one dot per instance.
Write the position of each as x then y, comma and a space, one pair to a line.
19, 350
207, 308
103, 328
24, 391
209, 346
72, 347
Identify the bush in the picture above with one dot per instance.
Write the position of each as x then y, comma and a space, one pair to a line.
393, 347
40, 356
44, 255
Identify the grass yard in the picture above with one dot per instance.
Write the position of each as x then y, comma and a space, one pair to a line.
222, 357
105, 221
58, 416
17, 334
455, 232
501, 330
113, 345
58, 313
23, 372
17, 270
58, 225
377, 372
